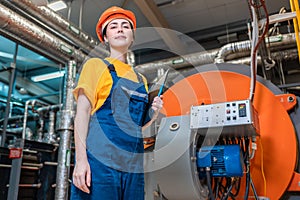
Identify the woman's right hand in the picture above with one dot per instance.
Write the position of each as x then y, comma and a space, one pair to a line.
82, 170
82, 175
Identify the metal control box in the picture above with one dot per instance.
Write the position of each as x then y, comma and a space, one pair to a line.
237, 118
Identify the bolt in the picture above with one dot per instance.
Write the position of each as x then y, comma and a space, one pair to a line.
193, 159
291, 99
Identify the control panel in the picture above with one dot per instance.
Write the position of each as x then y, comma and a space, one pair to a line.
236, 118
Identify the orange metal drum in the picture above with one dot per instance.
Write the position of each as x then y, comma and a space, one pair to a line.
275, 158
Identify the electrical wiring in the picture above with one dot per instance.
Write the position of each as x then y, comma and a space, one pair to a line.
262, 167
255, 43
253, 189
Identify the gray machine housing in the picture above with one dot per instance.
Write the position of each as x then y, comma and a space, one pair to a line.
175, 160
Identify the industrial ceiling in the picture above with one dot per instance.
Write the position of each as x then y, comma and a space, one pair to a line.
209, 23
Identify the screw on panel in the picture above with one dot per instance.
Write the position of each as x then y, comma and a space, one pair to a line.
291, 99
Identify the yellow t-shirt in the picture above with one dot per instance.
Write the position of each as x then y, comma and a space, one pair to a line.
96, 82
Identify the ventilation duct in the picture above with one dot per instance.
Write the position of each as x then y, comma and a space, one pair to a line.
28, 34
58, 25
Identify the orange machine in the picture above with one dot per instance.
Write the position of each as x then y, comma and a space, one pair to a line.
273, 165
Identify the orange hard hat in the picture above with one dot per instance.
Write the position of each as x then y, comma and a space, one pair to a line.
111, 13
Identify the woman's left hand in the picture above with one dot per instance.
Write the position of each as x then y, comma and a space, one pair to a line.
157, 105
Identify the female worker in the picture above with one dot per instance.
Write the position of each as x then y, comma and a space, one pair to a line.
111, 107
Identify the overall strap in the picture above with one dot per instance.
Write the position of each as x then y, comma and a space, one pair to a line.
110, 66
140, 79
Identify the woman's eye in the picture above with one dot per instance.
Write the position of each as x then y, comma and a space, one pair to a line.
126, 26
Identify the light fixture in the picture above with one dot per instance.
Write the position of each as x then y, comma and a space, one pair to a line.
57, 5
48, 76
40, 2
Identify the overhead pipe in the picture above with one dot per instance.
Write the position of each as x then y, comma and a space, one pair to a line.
59, 26
178, 62
24, 31
231, 48
239, 49
289, 54
227, 52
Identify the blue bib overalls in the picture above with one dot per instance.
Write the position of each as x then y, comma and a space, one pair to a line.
115, 144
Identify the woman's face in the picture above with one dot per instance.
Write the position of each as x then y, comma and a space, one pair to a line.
119, 34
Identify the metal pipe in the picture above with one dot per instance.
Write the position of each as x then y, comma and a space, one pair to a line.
54, 163
50, 136
50, 163
178, 62
60, 26
41, 121
65, 131
14, 178
30, 157
30, 168
289, 54
39, 165
35, 103
231, 48
24, 31
30, 151
12, 81
19, 118
23, 167
40, 130
130, 58
48, 108
226, 53
35, 185
28, 103
274, 43
80, 14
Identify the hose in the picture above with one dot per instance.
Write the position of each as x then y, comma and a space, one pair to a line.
211, 195
247, 183
228, 192
253, 189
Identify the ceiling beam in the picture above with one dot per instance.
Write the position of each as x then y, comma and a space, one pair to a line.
125, 2
156, 18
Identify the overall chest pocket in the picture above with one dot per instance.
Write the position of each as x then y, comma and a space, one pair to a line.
129, 104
